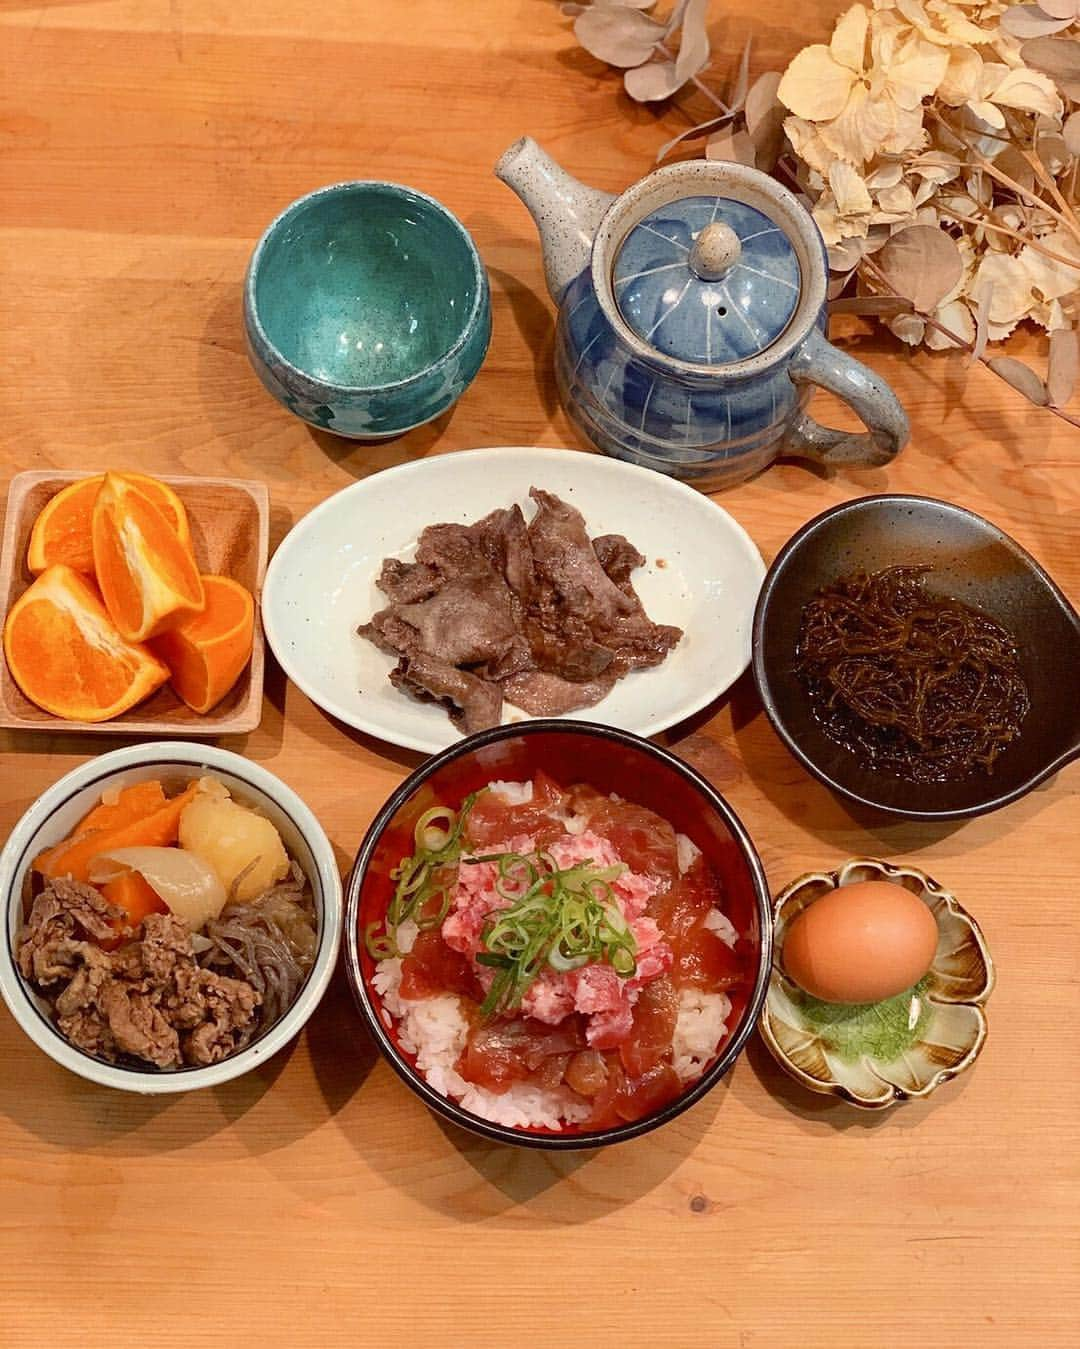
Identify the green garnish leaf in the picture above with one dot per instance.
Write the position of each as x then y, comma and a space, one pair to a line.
879, 1030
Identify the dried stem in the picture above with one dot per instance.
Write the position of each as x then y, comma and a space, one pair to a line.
960, 342
699, 85
1039, 168
989, 167
985, 223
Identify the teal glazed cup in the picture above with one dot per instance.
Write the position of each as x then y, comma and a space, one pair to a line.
367, 309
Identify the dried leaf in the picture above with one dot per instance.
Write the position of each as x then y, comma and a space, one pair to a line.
695, 133
848, 189
652, 82
883, 306
1024, 21
1022, 378
765, 119
1016, 165
885, 175
1070, 306
846, 255
956, 328
923, 264
837, 284
814, 86
1028, 90
1053, 152
693, 42
1071, 132
1059, 9
741, 86
731, 144
761, 100
1064, 366
620, 36
962, 76
982, 298
1057, 57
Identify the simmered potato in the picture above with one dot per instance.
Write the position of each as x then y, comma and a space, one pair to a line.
236, 842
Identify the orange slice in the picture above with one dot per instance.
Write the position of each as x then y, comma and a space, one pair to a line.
207, 654
61, 532
147, 575
65, 653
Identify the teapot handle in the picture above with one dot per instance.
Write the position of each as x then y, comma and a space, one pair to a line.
819, 362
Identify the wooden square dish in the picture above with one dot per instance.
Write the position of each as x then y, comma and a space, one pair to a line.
230, 531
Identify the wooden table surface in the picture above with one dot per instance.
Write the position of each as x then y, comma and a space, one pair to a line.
145, 145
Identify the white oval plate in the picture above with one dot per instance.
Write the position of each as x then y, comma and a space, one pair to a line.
702, 573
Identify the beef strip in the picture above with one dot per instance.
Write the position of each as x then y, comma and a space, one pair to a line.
505, 537
453, 550
565, 558
564, 652
473, 704
53, 946
136, 1000
619, 558
546, 695
467, 621
538, 612
407, 582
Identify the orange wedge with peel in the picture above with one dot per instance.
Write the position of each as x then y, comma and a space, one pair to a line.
65, 653
207, 654
61, 532
146, 573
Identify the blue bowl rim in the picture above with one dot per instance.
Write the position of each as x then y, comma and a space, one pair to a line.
361, 185
443, 1105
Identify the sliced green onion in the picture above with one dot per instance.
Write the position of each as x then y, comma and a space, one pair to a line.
423, 883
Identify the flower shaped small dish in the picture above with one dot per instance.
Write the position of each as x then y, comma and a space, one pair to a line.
875, 1054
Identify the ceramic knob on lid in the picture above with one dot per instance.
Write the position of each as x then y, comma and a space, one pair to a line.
709, 280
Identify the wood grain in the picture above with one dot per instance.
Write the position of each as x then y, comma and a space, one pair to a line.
146, 143
230, 529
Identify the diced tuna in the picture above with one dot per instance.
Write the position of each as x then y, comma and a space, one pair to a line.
607, 1030
548, 999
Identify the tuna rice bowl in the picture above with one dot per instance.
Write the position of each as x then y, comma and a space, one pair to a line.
554, 958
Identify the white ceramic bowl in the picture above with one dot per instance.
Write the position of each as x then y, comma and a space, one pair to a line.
56, 812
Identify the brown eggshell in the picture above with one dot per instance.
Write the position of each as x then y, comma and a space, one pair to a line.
861, 943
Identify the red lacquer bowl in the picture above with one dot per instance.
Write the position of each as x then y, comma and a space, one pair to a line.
611, 761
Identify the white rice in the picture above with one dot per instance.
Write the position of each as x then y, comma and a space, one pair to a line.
513, 793
722, 925
687, 853
701, 1025
435, 1030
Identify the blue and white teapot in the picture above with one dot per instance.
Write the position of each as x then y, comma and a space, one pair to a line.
692, 321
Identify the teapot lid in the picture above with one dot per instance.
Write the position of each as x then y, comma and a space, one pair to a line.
709, 280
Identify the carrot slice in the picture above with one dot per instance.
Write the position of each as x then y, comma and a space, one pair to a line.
133, 803
135, 895
157, 830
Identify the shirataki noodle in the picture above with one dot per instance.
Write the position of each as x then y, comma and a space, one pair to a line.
269, 941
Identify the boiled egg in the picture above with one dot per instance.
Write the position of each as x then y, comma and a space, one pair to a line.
860, 943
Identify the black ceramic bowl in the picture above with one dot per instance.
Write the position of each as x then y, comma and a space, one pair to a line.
611, 761
972, 561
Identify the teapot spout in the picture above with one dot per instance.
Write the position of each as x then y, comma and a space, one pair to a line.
566, 211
